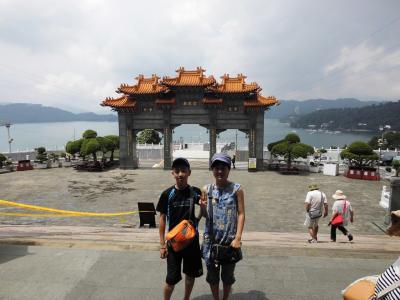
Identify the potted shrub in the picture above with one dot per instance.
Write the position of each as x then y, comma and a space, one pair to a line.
361, 158
8, 164
396, 166
66, 159
313, 167
42, 160
54, 161
2, 160
291, 148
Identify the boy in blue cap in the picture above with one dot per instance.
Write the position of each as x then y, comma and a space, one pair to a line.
224, 201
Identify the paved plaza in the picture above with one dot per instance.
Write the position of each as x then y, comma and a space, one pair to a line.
111, 258
274, 202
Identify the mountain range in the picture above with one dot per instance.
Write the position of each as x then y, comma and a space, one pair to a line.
366, 118
37, 113
288, 108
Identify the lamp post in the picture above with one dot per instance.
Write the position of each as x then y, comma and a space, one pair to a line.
236, 141
9, 140
381, 142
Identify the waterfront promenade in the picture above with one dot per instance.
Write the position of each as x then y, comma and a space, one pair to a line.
111, 258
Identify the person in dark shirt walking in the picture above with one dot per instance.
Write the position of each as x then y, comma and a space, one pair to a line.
176, 204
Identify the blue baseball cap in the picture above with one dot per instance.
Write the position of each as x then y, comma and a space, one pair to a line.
180, 161
221, 157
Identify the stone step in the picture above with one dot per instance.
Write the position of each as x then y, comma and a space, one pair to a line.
268, 243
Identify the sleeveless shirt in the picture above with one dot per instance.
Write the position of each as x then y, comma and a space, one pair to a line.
223, 202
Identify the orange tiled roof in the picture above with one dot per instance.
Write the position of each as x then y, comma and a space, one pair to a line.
166, 101
144, 86
209, 100
122, 102
235, 85
189, 78
261, 101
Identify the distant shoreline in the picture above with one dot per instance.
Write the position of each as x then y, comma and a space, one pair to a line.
70, 121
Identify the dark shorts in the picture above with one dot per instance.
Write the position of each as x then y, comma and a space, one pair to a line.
227, 274
192, 265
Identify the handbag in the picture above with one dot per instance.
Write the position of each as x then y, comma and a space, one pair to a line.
338, 219
220, 254
361, 289
315, 214
364, 289
183, 234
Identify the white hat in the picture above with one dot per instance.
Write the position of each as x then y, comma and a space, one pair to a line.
339, 195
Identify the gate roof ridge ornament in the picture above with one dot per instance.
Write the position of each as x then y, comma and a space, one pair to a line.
144, 85
189, 78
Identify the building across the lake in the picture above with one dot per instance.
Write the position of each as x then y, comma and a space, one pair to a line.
189, 98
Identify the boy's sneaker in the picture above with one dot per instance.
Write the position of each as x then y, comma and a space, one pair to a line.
312, 241
350, 237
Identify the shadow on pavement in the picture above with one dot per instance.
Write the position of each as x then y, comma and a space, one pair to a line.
10, 252
250, 295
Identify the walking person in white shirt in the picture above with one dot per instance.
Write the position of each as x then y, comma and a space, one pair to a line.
316, 206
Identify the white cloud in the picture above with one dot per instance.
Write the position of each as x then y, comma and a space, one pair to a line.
73, 54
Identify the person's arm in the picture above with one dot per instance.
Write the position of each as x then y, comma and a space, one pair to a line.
307, 206
161, 230
307, 202
351, 216
325, 204
237, 242
203, 203
325, 209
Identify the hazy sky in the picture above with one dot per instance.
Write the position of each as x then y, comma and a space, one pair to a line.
73, 54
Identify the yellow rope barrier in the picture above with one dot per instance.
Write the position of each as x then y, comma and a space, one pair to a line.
58, 212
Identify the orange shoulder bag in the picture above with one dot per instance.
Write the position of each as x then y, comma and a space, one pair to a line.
183, 234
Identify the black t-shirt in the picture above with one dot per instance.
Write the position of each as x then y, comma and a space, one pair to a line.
179, 205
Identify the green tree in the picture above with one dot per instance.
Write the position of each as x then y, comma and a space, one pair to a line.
105, 145
115, 142
396, 166
271, 145
373, 142
291, 148
149, 136
2, 160
359, 154
74, 147
41, 154
91, 146
89, 134
391, 140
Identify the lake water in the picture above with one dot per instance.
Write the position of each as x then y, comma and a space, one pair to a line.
54, 136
